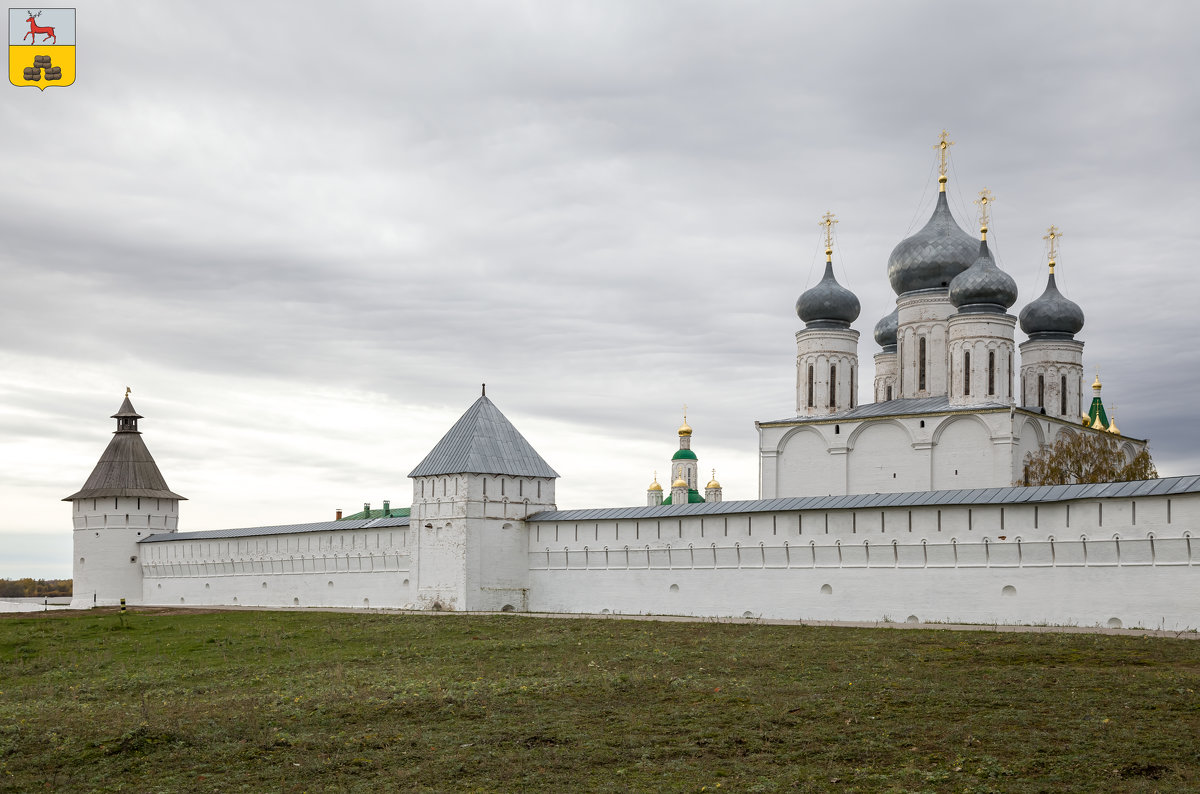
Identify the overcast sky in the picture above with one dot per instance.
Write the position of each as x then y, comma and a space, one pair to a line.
305, 233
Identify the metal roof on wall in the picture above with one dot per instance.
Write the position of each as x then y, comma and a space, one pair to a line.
284, 529
899, 407
969, 496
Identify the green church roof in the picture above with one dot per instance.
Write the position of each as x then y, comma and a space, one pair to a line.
395, 512
694, 496
684, 454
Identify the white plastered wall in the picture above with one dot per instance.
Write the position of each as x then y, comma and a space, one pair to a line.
1092, 562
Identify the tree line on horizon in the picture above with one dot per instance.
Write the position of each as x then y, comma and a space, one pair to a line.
29, 587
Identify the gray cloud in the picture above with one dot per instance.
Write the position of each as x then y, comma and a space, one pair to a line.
604, 210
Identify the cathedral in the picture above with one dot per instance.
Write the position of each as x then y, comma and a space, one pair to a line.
908, 508
946, 412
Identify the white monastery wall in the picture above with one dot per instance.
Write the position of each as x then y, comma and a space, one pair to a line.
336, 568
1093, 562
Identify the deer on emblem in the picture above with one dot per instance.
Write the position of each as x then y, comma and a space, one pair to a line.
35, 29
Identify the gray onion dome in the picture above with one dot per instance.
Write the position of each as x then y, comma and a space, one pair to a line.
983, 287
828, 304
1052, 316
885, 331
932, 257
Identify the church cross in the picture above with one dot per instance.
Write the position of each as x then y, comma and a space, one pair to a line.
1052, 235
984, 202
828, 220
943, 146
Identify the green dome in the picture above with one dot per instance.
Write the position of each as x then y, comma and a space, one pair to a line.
684, 454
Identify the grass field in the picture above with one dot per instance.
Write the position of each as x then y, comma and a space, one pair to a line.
299, 701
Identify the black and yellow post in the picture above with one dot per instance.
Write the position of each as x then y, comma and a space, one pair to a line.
122, 606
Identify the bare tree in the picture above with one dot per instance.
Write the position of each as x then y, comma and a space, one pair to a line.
1085, 457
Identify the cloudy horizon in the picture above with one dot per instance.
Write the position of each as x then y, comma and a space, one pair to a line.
305, 236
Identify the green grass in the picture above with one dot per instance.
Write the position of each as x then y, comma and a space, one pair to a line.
298, 701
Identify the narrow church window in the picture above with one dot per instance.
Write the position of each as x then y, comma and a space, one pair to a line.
1133, 513
1009, 381
539, 489
921, 365
837, 430
1063, 396
852, 372
832, 385
485, 490
889, 392
966, 372
1041, 402
501, 485
991, 372
810, 386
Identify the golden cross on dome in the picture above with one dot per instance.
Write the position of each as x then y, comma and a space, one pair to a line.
1052, 235
943, 146
828, 220
127, 390
685, 412
984, 202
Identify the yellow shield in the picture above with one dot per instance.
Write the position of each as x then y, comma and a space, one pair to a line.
41, 47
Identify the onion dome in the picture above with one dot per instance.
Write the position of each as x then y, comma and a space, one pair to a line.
885, 331
1052, 316
679, 483
683, 454
654, 486
685, 429
932, 257
983, 287
713, 482
828, 304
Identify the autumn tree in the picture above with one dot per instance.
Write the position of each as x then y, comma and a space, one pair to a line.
1086, 457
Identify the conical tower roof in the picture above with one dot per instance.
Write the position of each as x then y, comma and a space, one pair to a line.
483, 441
126, 468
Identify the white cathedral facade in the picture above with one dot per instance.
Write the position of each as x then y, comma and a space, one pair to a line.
901, 509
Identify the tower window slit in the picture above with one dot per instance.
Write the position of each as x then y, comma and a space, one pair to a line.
889, 392
810, 386
921, 364
1063, 396
991, 372
832, 385
966, 372
1041, 395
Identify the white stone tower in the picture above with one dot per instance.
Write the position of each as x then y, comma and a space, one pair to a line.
827, 347
885, 360
980, 332
684, 462
654, 494
920, 270
1052, 358
124, 500
471, 496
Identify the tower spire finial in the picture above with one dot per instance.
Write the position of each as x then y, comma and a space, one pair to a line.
828, 220
984, 203
127, 390
1052, 235
943, 146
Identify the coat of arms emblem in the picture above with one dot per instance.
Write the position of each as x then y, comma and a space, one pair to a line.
41, 47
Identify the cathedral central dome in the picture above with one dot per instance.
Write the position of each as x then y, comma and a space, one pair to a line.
932, 257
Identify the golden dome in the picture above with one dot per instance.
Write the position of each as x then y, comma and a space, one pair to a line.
1112, 428
713, 482
654, 486
685, 429
679, 483
1096, 384
1087, 420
